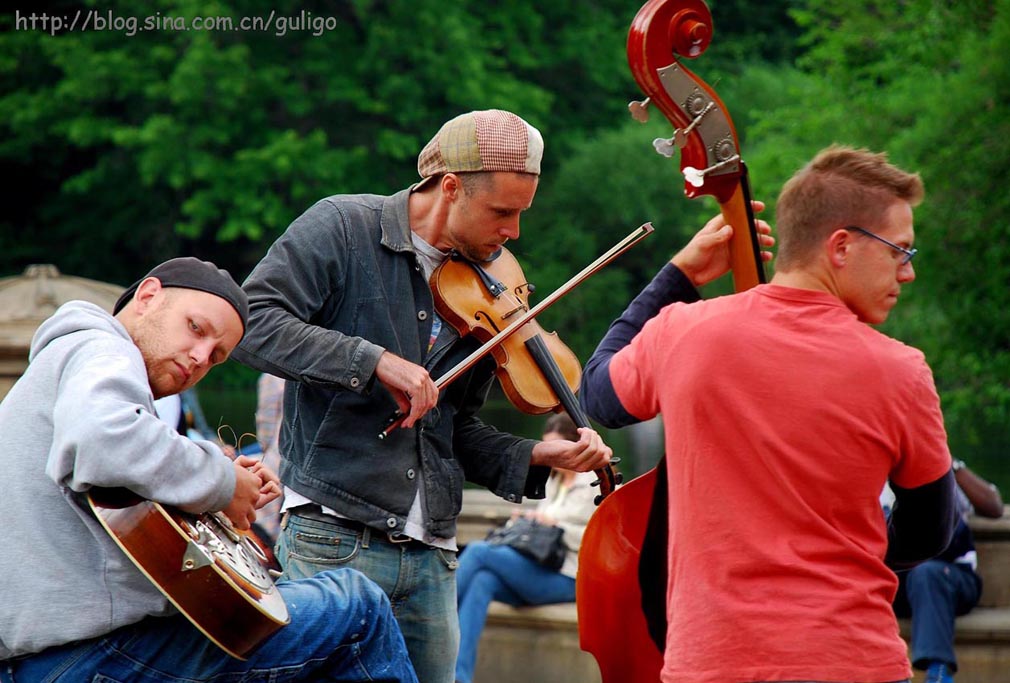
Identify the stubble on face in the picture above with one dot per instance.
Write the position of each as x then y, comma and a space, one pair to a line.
487, 214
150, 335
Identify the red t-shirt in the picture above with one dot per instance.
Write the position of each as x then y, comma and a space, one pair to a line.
784, 416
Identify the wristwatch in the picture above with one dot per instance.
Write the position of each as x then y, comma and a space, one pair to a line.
957, 465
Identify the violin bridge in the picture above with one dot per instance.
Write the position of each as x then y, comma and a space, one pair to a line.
518, 309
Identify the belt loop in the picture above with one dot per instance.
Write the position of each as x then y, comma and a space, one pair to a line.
284, 519
366, 536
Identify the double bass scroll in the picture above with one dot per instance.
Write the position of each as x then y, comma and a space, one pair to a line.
710, 160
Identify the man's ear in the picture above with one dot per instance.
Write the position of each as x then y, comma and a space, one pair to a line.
146, 291
838, 247
451, 186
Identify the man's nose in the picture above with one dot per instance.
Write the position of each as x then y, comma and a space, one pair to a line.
906, 272
200, 354
511, 230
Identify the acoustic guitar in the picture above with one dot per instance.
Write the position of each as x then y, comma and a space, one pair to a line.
217, 576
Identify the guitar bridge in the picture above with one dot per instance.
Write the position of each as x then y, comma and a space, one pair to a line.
195, 557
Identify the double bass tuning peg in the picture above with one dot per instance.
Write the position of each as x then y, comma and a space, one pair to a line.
665, 146
639, 110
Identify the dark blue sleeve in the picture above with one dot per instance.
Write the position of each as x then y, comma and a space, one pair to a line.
922, 522
596, 392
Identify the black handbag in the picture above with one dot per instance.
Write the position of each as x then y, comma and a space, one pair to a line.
539, 542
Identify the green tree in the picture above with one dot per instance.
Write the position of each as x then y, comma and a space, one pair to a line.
927, 82
131, 146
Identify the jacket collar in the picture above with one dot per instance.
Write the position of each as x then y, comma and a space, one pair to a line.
394, 221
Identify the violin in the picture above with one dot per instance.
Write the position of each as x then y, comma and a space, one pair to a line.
621, 584
479, 299
536, 370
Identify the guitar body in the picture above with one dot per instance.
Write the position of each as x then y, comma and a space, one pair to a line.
216, 576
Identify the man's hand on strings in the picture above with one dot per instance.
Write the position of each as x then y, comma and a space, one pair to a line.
270, 487
587, 454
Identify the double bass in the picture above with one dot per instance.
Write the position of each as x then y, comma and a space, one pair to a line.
621, 584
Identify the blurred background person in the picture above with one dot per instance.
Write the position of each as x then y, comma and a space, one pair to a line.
269, 406
499, 572
947, 586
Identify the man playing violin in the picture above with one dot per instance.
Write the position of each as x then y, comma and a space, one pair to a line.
785, 403
341, 307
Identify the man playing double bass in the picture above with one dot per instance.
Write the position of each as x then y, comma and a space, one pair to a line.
341, 307
785, 413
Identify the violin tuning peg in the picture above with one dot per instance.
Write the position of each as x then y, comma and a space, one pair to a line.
595, 483
664, 146
618, 479
598, 499
615, 459
694, 176
639, 110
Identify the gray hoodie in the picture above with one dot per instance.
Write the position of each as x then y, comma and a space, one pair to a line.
82, 415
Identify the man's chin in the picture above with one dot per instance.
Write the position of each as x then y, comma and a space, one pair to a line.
481, 255
492, 253
168, 388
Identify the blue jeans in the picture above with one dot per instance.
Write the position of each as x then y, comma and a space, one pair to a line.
419, 580
341, 630
498, 572
933, 593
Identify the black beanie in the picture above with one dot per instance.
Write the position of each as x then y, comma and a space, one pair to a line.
192, 273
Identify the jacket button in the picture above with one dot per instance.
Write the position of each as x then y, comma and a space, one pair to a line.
422, 315
391, 522
410, 473
512, 498
355, 381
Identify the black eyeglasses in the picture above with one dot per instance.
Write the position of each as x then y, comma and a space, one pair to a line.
909, 254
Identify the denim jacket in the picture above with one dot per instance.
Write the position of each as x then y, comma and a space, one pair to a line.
336, 290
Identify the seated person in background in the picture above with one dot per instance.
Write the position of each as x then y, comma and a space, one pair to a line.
169, 410
269, 404
82, 416
499, 572
937, 590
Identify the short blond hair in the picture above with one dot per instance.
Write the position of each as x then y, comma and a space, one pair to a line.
840, 186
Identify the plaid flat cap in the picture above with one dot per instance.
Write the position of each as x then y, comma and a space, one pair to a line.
489, 140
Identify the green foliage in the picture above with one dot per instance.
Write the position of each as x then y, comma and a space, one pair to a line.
927, 82
122, 150
169, 141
